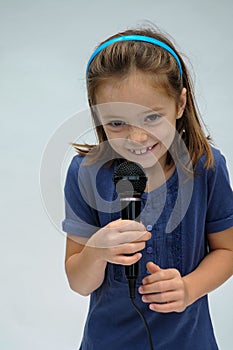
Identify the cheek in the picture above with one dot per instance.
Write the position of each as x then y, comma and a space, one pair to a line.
116, 143
165, 134
116, 139
110, 135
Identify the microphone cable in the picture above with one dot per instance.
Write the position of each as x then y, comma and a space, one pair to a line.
132, 288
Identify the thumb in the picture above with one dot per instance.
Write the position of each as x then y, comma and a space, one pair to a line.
152, 268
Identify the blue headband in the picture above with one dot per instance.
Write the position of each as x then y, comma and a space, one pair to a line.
135, 38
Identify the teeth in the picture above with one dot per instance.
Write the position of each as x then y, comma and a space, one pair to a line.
141, 151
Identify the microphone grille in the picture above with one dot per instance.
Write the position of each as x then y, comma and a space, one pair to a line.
130, 172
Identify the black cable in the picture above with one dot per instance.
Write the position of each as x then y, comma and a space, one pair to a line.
132, 296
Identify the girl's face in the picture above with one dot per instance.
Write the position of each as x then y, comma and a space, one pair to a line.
139, 120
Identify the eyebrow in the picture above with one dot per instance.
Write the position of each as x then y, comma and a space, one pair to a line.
110, 116
149, 110
154, 109
106, 117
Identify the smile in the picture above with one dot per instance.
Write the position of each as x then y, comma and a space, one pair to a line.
142, 150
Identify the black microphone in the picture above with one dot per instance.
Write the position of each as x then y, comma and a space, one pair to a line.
130, 181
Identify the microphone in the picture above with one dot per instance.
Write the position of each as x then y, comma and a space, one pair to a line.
130, 181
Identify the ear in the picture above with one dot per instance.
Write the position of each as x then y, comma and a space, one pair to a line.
182, 103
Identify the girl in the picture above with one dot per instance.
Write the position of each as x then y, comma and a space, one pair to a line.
144, 110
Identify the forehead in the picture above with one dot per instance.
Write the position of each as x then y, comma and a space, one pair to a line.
133, 94
137, 88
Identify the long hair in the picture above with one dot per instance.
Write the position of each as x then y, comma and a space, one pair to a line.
119, 59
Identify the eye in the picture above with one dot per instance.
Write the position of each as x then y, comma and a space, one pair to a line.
116, 124
153, 118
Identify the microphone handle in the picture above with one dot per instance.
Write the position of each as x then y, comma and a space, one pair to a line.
130, 210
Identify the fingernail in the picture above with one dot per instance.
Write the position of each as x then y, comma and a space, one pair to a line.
140, 290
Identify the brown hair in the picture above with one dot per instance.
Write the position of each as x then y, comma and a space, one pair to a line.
119, 59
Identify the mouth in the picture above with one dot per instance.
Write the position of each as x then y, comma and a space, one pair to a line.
143, 150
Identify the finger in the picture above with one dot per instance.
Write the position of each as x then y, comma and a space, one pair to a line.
167, 307
126, 260
152, 267
157, 287
129, 248
166, 297
112, 238
130, 236
145, 237
161, 275
126, 225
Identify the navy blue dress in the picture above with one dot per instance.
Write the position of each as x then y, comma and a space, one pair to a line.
179, 215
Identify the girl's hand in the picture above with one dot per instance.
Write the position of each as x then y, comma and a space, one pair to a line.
164, 290
120, 241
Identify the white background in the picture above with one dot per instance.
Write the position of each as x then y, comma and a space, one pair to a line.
44, 48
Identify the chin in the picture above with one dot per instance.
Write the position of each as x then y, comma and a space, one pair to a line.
145, 161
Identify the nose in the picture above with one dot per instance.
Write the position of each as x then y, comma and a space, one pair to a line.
137, 134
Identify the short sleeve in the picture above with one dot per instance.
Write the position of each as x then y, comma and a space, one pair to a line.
220, 197
80, 217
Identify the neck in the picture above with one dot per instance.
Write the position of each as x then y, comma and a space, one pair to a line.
158, 175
